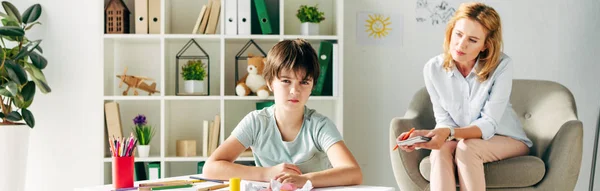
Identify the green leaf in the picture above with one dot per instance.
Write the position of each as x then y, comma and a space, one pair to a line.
28, 91
27, 49
11, 31
28, 116
12, 88
32, 24
16, 72
10, 22
5, 92
1, 115
11, 10
38, 77
20, 102
39, 48
14, 116
3, 15
32, 13
38, 60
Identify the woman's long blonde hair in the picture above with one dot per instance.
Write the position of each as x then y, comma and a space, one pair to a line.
490, 20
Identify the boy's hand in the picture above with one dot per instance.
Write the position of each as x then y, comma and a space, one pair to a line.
282, 168
297, 181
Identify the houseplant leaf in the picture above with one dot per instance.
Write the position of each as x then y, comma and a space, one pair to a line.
14, 116
12, 87
27, 49
11, 11
5, 92
16, 72
11, 31
28, 91
20, 101
32, 14
10, 22
28, 117
38, 77
32, 24
38, 60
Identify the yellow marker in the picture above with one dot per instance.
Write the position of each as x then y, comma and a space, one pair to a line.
234, 184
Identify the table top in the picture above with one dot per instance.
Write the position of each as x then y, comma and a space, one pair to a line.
110, 187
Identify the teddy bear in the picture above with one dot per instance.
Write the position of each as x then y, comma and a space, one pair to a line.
253, 81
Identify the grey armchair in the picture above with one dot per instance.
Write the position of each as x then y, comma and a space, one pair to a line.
548, 113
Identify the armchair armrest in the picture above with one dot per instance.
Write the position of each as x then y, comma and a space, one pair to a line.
563, 158
406, 165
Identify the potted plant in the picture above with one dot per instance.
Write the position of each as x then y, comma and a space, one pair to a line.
143, 133
194, 73
310, 17
21, 74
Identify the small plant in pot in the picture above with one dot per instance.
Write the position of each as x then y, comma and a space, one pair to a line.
310, 17
143, 133
194, 75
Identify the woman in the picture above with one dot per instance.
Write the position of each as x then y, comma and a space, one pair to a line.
470, 86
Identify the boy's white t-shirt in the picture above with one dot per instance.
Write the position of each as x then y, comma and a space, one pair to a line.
308, 150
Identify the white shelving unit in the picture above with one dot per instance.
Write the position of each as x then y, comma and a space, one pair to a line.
180, 117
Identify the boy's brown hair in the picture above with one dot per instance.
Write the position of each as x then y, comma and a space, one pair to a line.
294, 55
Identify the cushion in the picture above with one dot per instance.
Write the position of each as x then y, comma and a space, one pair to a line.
522, 171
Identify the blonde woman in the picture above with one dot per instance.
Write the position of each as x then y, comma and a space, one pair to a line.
470, 85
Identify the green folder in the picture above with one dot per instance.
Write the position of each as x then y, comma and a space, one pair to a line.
261, 105
263, 16
323, 85
200, 166
153, 165
140, 171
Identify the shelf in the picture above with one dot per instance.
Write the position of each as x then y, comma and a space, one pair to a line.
181, 117
131, 36
118, 98
192, 98
185, 159
195, 36
137, 159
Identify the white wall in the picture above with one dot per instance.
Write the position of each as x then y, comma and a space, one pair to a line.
547, 39
65, 147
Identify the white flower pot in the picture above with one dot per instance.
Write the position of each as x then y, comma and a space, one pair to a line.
143, 150
194, 86
14, 143
310, 28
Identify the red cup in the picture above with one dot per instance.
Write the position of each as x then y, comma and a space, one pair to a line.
123, 172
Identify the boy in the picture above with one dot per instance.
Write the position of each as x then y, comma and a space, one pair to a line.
290, 142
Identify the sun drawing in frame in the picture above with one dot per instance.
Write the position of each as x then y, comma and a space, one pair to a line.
378, 26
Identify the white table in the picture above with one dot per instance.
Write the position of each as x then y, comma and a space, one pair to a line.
207, 184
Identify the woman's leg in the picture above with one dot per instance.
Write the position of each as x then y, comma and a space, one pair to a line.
442, 167
472, 153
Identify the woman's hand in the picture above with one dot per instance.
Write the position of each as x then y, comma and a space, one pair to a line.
410, 148
282, 168
297, 181
438, 138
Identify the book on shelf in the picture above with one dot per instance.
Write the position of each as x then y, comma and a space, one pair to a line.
199, 20
214, 135
113, 120
205, 133
204, 21
213, 19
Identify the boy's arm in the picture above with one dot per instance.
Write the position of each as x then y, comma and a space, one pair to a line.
345, 169
220, 164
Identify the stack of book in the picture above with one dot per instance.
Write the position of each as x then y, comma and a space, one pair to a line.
208, 19
210, 136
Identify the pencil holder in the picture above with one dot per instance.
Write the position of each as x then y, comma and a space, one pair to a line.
123, 172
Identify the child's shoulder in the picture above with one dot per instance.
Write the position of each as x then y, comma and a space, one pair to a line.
315, 117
